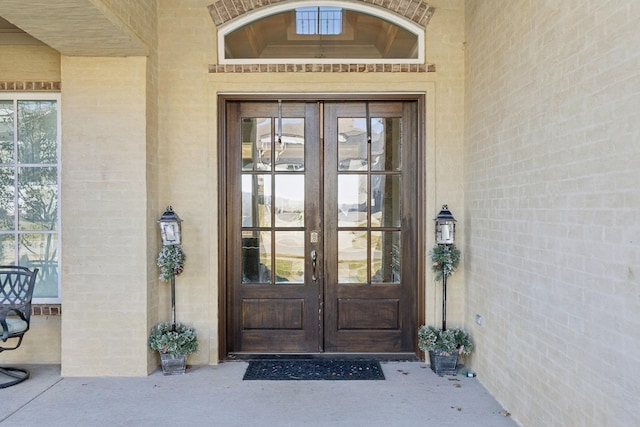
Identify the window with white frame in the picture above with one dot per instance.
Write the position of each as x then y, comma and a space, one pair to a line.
30, 187
336, 32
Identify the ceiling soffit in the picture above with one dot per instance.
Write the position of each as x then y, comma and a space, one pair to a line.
74, 27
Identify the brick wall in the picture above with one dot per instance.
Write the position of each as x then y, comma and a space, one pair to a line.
141, 133
552, 202
188, 143
34, 68
104, 212
29, 63
418, 11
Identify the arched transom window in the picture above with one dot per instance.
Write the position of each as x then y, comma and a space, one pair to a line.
320, 32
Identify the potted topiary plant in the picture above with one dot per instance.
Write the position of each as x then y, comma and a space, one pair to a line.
173, 342
444, 347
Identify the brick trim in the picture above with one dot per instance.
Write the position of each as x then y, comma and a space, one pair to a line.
418, 11
46, 310
13, 86
322, 68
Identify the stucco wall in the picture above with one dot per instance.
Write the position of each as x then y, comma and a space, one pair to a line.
552, 201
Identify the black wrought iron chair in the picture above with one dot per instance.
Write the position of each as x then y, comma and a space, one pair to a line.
16, 292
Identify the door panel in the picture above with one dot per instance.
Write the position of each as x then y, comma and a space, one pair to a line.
326, 240
369, 209
274, 302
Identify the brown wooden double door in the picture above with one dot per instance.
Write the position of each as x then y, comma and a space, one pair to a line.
321, 217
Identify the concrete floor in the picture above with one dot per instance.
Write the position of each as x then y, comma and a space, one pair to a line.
411, 395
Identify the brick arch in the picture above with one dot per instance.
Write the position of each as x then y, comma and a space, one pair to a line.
417, 11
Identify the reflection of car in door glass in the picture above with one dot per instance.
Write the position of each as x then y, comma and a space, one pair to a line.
289, 167
352, 165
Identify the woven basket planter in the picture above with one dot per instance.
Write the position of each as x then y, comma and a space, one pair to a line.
173, 365
443, 365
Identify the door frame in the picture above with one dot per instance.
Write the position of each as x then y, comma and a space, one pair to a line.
223, 99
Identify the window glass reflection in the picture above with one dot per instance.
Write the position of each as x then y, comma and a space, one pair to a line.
386, 144
385, 200
385, 256
256, 144
321, 33
352, 144
352, 200
289, 256
256, 257
289, 147
256, 200
289, 200
352, 257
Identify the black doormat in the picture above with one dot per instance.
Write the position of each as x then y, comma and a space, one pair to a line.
316, 369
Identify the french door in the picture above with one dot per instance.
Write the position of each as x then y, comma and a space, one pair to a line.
321, 226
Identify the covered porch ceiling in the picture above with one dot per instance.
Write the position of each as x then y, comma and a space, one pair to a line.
72, 27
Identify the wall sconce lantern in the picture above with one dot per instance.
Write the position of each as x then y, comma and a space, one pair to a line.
170, 227
445, 227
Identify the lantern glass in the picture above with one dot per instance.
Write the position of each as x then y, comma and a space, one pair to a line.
445, 227
445, 232
170, 228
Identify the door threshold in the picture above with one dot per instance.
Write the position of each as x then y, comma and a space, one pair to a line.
404, 357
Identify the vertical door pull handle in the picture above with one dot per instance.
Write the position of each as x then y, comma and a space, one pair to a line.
314, 258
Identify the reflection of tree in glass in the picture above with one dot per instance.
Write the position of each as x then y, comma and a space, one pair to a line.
33, 173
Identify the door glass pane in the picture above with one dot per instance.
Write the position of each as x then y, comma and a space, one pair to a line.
352, 144
289, 256
256, 143
256, 257
289, 149
256, 200
385, 256
6, 131
352, 200
289, 200
352, 257
386, 144
385, 201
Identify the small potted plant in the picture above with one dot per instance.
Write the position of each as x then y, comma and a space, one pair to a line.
173, 342
444, 347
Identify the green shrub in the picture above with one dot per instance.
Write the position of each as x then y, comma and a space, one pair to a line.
444, 342
165, 339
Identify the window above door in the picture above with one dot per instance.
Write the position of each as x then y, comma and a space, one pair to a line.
324, 32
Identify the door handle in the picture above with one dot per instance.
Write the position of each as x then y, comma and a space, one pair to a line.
314, 258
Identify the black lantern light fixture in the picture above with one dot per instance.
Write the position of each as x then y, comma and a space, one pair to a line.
445, 227
171, 232
445, 235
170, 227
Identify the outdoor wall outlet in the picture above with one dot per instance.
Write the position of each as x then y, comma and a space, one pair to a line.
479, 320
